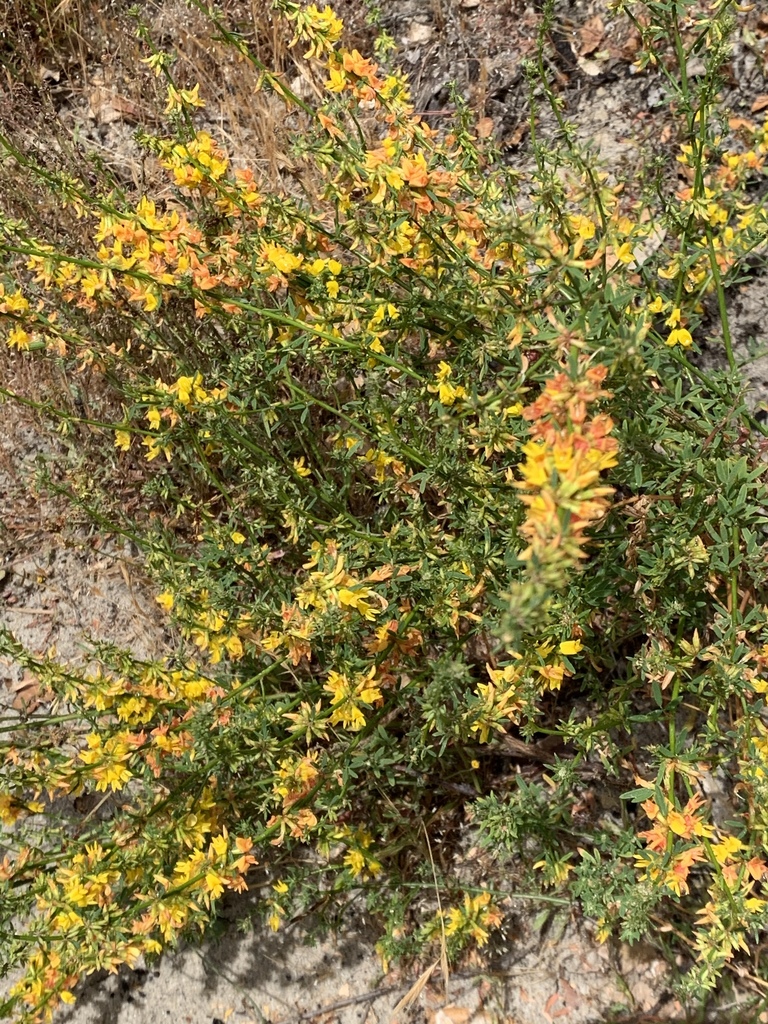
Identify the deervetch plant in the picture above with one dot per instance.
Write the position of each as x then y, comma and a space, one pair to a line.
425, 460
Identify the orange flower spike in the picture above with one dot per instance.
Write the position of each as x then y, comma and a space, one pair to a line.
597, 374
330, 125
601, 426
677, 877
652, 810
577, 409
757, 868
656, 837
414, 171
694, 824
731, 874
356, 64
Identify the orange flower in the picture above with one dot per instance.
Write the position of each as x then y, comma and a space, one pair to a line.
356, 64
414, 171
677, 877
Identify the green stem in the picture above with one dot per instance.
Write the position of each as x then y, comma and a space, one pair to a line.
721, 304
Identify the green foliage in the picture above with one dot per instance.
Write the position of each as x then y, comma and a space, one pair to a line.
529, 816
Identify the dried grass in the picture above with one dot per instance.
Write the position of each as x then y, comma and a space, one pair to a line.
88, 50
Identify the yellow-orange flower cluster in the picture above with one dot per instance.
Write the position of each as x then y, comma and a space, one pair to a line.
565, 456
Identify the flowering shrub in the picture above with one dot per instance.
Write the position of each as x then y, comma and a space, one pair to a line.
426, 462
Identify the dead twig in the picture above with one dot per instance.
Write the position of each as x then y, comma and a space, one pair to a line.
366, 997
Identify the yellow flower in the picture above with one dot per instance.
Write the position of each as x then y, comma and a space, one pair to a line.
603, 932
19, 338
234, 646
219, 846
357, 599
475, 919
281, 258
146, 211
122, 440
584, 227
301, 468
14, 303
384, 310
570, 647
347, 696
214, 883
320, 28
154, 448
237, 537
447, 393
156, 62
624, 253
355, 861
727, 848
67, 919
182, 99
337, 82
165, 600
537, 468
556, 871
671, 270
9, 809
146, 293
680, 336
512, 410
107, 761
275, 918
